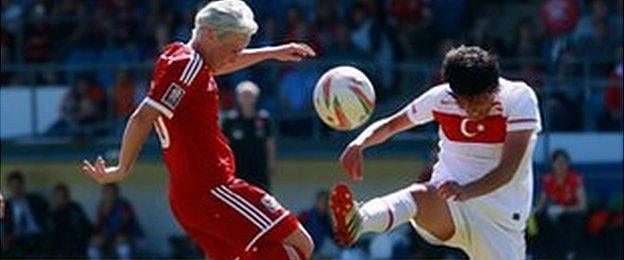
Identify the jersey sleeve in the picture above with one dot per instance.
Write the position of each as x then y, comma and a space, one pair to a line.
524, 111
420, 111
170, 83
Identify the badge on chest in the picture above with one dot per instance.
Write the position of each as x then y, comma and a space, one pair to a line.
459, 128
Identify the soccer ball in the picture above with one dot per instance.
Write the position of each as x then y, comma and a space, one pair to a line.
344, 98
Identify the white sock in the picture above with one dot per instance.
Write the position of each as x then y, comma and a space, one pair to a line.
123, 251
385, 213
94, 252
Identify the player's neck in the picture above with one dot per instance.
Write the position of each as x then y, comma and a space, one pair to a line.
195, 45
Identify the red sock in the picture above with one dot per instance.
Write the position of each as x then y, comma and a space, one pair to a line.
275, 251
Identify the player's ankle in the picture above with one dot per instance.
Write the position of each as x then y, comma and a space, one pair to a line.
385, 213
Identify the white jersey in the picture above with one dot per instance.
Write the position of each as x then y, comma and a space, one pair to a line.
470, 149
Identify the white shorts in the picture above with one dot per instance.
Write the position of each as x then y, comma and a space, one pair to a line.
478, 235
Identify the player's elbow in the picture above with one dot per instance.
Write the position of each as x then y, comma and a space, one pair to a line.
507, 174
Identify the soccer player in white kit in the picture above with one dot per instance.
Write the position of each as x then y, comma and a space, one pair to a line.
479, 196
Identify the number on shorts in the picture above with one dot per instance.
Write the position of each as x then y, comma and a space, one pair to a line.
162, 132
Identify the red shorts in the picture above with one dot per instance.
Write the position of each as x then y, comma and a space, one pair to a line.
233, 218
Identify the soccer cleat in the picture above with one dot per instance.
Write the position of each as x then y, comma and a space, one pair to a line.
346, 219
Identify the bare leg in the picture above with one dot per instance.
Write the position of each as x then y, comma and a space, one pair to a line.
433, 213
418, 201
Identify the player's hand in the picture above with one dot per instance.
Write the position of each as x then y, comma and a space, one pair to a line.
451, 190
101, 173
292, 52
351, 162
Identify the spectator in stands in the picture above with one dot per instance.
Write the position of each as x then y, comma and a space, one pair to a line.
600, 45
342, 47
604, 226
526, 47
124, 90
618, 24
611, 117
450, 16
116, 229
25, 225
559, 17
12, 12
525, 44
70, 227
7, 56
562, 203
250, 132
68, 112
82, 109
38, 44
317, 221
372, 39
268, 33
294, 94
296, 27
414, 13
325, 18
363, 28
599, 12
564, 112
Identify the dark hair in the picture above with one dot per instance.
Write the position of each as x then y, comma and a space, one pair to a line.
16, 175
61, 187
560, 153
470, 71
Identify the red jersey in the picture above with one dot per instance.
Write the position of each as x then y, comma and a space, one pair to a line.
184, 91
562, 193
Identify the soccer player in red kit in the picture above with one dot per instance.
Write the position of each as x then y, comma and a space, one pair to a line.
227, 217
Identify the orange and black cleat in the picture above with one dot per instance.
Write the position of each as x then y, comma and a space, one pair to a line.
346, 219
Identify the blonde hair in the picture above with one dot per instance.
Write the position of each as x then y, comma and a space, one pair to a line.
226, 16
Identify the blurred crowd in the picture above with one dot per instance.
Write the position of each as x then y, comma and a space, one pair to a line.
573, 48
568, 222
32, 227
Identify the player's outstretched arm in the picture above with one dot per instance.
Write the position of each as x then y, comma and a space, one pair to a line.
137, 129
285, 52
376, 133
514, 148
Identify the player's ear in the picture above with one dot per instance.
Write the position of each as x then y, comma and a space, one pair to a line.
209, 34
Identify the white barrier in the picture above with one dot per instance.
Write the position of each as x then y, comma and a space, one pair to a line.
582, 147
16, 109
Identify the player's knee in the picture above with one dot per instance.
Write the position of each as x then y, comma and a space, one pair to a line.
423, 195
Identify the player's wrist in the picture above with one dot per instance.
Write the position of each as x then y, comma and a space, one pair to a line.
357, 144
271, 52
